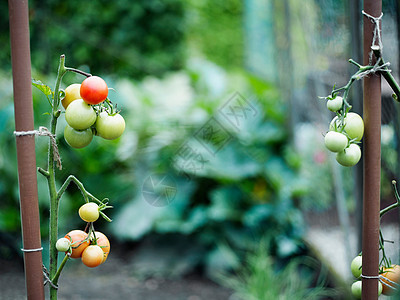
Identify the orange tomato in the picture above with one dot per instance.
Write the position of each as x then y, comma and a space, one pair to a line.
392, 274
72, 92
92, 256
78, 243
104, 244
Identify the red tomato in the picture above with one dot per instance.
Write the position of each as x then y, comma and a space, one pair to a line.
94, 90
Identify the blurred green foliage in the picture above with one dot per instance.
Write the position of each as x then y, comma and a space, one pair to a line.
215, 29
228, 197
131, 38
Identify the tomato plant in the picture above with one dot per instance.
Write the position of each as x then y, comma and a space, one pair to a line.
89, 212
80, 117
94, 90
92, 256
77, 138
72, 92
109, 126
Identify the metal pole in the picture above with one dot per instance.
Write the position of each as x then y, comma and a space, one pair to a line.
372, 162
23, 109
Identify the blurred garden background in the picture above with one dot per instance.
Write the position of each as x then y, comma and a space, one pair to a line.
221, 185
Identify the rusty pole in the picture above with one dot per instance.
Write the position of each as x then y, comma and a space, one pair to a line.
23, 110
372, 162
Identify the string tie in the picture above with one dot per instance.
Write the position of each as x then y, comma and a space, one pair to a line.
43, 131
377, 31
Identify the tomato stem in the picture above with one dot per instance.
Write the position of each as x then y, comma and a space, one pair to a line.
78, 71
57, 275
110, 105
394, 205
387, 74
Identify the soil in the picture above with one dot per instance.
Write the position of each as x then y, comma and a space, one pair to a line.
112, 280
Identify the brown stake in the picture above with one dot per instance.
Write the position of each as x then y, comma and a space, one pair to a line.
23, 109
372, 161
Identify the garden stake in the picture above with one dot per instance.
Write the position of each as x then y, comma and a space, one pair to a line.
23, 110
372, 159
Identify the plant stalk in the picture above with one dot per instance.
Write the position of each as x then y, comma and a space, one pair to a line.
51, 179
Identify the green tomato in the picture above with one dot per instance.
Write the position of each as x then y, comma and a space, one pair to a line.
353, 125
77, 138
355, 266
80, 115
335, 141
335, 104
356, 289
110, 127
89, 212
63, 244
349, 156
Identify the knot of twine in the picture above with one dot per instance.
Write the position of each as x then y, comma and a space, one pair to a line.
47, 278
375, 68
377, 31
43, 131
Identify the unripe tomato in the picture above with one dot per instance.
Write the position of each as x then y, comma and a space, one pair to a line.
77, 138
349, 156
335, 141
110, 127
356, 289
89, 212
104, 244
356, 266
63, 244
92, 256
78, 243
335, 104
80, 115
94, 90
72, 92
353, 125
393, 274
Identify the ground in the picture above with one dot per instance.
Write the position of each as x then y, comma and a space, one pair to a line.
113, 280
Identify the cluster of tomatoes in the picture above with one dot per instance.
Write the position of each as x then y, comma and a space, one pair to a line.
387, 284
93, 247
87, 115
345, 132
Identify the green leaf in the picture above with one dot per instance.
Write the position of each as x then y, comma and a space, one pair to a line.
45, 89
